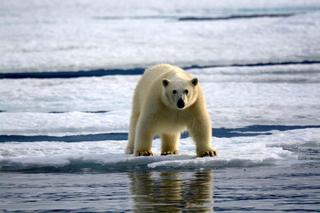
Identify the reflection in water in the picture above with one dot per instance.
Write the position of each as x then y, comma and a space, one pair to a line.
172, 191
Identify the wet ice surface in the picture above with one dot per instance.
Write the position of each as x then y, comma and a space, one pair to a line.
62, 139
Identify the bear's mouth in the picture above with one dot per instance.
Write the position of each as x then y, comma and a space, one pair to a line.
180, 104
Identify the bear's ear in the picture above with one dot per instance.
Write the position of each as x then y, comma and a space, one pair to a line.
194, 81
165, 82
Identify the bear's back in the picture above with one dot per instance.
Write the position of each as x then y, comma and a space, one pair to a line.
151, 81
157, 73
153, 76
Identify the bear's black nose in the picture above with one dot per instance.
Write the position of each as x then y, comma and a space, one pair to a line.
180, 103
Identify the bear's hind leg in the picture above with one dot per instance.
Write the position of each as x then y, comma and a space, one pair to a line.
132, 132
170, 143
143, 138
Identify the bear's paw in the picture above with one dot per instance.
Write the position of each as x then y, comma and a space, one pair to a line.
144, 153
170, 153
208, 153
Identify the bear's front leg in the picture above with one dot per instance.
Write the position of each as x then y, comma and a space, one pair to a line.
143, 139
200, 130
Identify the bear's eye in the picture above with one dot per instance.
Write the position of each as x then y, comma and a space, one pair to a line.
186, 91
174, 91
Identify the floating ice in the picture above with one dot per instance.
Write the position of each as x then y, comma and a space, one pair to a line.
236, 97
106, 155
283, 36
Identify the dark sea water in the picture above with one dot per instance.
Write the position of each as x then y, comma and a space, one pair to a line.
292, 188
286, 187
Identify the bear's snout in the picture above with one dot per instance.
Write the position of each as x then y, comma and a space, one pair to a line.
180, 103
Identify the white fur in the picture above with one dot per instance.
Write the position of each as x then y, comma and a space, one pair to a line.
155, 112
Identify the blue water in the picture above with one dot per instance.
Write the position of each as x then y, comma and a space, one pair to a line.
132, 71
248, 131
290, 187
277, 189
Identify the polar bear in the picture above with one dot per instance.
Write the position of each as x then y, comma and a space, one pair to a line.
166, 102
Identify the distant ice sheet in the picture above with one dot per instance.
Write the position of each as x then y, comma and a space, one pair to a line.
82, 35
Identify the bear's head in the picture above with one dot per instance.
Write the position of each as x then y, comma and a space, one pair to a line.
178, 93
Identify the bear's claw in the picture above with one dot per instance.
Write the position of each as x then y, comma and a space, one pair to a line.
210, 153
169, 153
144, 153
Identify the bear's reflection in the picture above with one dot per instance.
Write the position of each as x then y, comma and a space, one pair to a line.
172, 191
